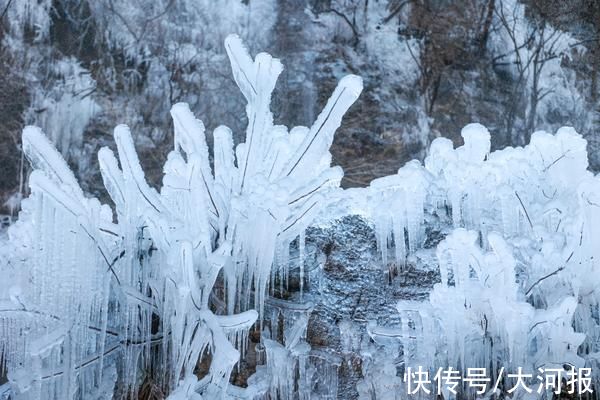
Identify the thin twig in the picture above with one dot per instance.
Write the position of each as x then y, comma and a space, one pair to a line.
524, 209
6, 9
548, 275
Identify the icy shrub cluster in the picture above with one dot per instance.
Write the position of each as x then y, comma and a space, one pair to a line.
95, 297
517, 266
94, 300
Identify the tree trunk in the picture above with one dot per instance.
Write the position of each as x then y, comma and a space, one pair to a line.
485, 33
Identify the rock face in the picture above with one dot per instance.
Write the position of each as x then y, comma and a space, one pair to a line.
350, 291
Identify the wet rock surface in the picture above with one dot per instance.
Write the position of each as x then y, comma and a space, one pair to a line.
350, 289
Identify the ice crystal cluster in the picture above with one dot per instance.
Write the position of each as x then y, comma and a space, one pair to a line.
96, 295
93, 300
517, 263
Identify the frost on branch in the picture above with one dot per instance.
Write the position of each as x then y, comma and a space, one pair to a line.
292, 170
516, 263
95, 300
98, 298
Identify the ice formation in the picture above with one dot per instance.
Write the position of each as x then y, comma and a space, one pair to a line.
65, 111
517, 265
94, 298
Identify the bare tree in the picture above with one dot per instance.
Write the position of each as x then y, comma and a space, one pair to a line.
527, 55
352, 14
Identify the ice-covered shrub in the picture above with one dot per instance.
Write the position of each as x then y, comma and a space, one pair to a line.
517, 266
93, 299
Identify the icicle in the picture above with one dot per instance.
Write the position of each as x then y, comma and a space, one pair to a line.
301, 243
